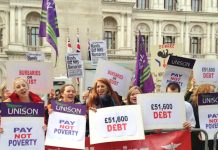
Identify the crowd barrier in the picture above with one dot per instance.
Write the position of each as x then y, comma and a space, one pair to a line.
214, 141
100, 146
192, 130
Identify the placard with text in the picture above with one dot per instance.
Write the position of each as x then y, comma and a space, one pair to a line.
208, 116
178, 70
66, 125
117, 123
119, 77
98, 50
38, 75
74, 65
162, 110
206, 71
22, 124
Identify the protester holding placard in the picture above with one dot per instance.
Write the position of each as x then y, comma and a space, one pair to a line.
102, 95
131, 96
197, 143
22, 94
174, 87
68, 94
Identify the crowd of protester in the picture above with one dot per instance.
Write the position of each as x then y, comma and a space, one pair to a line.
102, 95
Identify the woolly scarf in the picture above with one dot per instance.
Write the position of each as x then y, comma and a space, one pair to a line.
33, 97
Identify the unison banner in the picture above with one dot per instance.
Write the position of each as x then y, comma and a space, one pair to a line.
178, 70
117, 123
162, 110
208, 116
66, 125
22, 124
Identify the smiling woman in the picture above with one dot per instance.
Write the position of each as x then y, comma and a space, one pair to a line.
21, 92
102, 95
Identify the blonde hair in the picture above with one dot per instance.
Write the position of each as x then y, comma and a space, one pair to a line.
203, 88
133, 88
22, 79
2, 88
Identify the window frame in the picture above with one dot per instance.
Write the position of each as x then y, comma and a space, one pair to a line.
170, 5
109, 39
33, 39
196, 5
142, 4
169, 39
195, 46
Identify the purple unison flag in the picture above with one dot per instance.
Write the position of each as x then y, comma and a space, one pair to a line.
49, 24
143, 77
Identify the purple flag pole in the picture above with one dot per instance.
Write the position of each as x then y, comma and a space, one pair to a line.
49, 24
143, 77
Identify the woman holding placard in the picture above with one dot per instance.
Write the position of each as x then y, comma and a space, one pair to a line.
196, 142
22, 94
68, 94
102, 95
131, 95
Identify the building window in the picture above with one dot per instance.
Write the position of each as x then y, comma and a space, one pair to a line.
170, 4
196, 5
195, 45
169, 39
142, 4
109, 37
145, 37
33, 38
1, 39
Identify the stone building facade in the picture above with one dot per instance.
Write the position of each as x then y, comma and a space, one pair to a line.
194, 23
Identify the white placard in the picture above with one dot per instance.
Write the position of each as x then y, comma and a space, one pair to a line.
66, 130
206, 71
22, 133
35, 56
119, 77
176, 74
38, 74
117, 123
74, 65
98, 50
162, 110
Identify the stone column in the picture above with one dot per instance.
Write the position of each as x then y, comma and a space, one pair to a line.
118, 36
213, 38
12, 24
187, 38
182, 35
160, 39
208, 46
20, 33
182, 5
188, 5
7, 27
129, 30
154, 32
122, 30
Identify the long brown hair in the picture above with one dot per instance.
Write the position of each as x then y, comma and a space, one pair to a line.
93, 96
203, 88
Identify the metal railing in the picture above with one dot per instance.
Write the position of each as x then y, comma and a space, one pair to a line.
214, 141
192, 130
